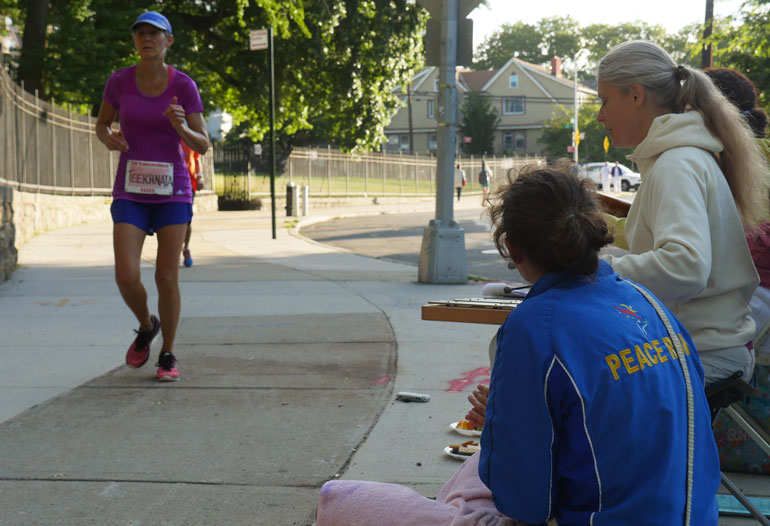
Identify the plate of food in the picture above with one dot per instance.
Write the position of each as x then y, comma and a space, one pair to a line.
465, 428
462, 451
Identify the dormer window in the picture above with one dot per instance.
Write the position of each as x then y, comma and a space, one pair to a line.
435, 84
513, 81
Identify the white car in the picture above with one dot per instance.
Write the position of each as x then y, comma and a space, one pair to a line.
628, 180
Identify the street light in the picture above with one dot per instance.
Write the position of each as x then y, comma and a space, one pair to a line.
575, 128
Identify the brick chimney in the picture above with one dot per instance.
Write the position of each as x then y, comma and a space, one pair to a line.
556, 67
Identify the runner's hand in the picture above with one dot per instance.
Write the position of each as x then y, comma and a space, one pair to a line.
478, 399
175, 114
116, 141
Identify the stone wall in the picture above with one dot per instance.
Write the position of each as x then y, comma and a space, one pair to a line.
26, 214
8, 253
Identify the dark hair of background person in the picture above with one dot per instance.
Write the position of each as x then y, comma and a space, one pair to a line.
740, 91
553, 216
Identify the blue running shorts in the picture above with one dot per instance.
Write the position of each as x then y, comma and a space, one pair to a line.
150, 217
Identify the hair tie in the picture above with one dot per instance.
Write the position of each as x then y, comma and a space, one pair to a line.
746, 112
679, 72
571, 215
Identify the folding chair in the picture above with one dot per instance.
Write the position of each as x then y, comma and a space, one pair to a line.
726, 395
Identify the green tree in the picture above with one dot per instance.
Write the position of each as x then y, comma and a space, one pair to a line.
598, 39
9, 8
743, 43
337, 62
480, 119
563, 37
519, 39
550, 37
557, 136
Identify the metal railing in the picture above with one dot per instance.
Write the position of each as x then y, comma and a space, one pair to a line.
331, 173
48, 149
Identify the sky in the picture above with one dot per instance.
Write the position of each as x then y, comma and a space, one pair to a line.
671, 14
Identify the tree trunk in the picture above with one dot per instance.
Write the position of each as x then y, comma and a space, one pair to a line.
707, 60
33, 45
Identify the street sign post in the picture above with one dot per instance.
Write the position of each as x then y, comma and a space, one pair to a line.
260, 39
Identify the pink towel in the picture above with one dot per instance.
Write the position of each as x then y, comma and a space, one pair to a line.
463, 501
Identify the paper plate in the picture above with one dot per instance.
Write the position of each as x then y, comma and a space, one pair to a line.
464, 432
457, 456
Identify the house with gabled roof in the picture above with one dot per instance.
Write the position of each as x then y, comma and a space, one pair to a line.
525, 96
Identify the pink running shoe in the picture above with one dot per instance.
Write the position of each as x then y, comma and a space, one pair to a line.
167, 371
139, 351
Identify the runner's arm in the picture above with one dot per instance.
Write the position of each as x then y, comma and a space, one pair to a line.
194, 133
113, 140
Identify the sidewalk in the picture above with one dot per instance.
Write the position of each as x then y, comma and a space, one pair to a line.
290, 354
287, 351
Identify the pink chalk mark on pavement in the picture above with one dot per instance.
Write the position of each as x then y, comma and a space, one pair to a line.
468, 378
381, 380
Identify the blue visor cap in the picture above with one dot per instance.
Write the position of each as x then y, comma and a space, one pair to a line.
154, 19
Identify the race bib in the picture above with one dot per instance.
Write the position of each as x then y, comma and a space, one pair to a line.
148, 177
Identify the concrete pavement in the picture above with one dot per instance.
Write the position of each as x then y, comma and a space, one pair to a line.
290, 354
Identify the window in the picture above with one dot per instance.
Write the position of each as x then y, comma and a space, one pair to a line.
432, 142
520, 140
514, 141
431, 105
435, 84
404, 139
513, 105
507, 140
513, 81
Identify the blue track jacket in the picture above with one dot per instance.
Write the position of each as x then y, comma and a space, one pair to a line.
587, 415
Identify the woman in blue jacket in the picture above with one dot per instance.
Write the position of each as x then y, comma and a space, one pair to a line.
587, 421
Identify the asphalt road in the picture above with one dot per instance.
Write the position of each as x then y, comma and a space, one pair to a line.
398, 237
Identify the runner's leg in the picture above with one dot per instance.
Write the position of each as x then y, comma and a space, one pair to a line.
170, 241
127, 243
187, 235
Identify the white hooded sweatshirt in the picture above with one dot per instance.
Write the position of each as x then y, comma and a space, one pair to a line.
685, 236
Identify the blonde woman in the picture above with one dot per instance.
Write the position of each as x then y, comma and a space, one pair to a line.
702, 182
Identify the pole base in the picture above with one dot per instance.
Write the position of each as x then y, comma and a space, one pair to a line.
442, 256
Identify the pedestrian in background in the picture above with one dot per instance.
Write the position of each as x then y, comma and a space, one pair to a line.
158, 106
193, 161
616, 182
459, 180
485, 180
604, 177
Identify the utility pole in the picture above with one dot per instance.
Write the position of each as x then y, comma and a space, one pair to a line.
409, 109
442, 255
575, 129
706, 59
